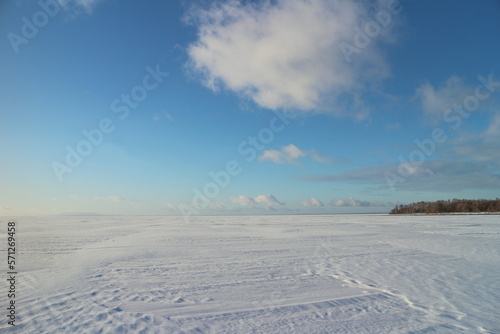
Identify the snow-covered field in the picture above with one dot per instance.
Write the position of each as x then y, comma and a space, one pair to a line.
257, 274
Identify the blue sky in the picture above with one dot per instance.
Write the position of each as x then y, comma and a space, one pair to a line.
246, 107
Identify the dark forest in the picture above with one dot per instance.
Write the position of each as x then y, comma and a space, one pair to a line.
449, 206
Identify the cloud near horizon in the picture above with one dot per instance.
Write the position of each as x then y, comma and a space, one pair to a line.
286, 54
312, 202
268, 201
352, 202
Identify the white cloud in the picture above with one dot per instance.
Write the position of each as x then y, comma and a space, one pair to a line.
286, 53
435, 101
349, 202
352, 202
292, 154
289, 153
273, 155
267, 201
312, 202
243, 200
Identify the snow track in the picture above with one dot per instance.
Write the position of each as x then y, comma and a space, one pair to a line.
260, 274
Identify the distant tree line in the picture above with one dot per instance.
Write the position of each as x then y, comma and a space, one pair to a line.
449, 206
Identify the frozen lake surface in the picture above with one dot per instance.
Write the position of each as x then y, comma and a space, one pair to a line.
257, 274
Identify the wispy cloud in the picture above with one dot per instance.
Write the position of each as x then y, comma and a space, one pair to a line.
436, 100
432, 176
483, 147
286, 53
162, 116
292, 154
78, 5
319, 157
493, 130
